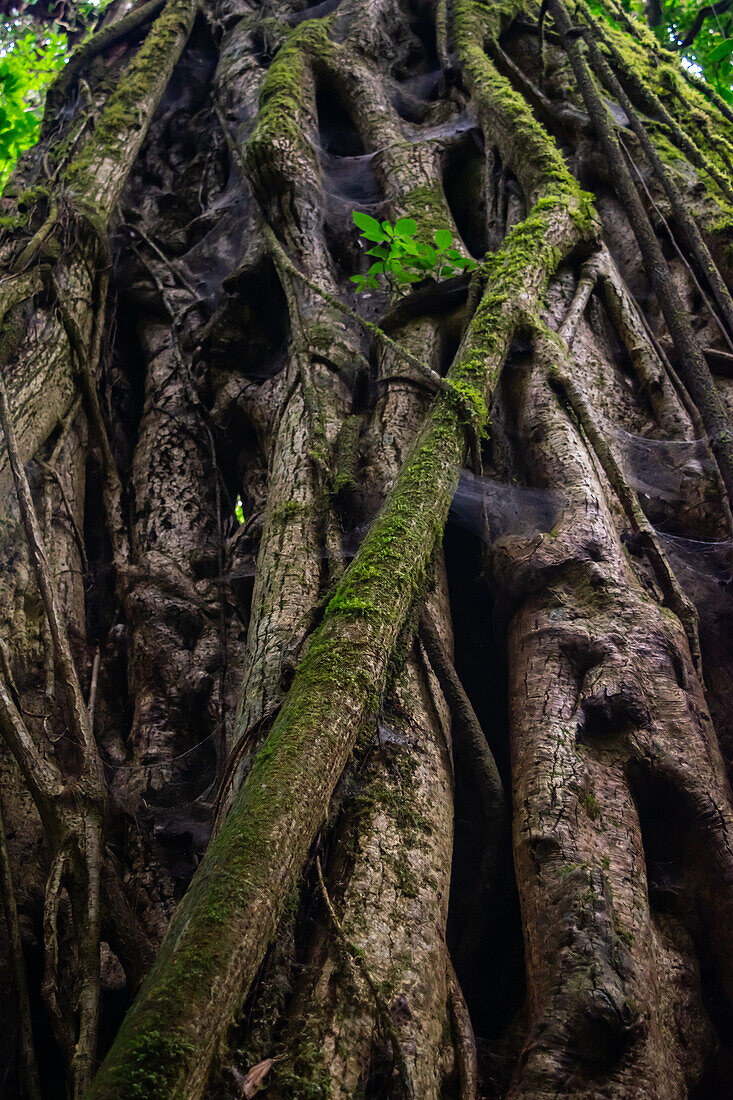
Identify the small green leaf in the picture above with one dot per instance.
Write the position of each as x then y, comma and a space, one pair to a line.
366, 223
403, 259
405, 227
721, 51
410, 246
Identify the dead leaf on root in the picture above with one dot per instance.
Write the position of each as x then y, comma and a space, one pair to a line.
255, 1077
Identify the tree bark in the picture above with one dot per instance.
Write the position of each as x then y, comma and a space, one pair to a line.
312, 599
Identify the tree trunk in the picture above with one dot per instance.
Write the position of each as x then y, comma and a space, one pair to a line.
313, 601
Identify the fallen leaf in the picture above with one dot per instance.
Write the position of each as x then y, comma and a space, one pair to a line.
255, 1077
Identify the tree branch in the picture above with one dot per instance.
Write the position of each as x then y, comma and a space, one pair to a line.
720, 8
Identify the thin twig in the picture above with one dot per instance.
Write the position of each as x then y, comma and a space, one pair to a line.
52, 472
93, 687
86, 362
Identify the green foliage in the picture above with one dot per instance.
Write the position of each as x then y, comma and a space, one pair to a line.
34, 46
402, 259
239, 510
28, 61
710, 54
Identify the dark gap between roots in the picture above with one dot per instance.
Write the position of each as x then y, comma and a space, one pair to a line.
678, 873
495, 986
465, 187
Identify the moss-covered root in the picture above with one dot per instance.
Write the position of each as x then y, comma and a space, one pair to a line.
700, 251
694, 370
97, 44
523, 144
96, 177
640, 91
222, 927
392, 905
42, 386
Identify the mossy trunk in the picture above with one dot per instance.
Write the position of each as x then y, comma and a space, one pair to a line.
352, 606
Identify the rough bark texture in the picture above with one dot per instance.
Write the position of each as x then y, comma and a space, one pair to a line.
365, 705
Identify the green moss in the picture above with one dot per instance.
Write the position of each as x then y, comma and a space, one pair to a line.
470, 399
27, 199
590, 804
491, 16
320, 336
571, 868
155, 1056
283, 513
349, 605
624, 934
720, 227
13, 221
426, 204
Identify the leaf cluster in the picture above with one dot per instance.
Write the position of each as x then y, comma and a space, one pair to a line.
28, 62
401, 259
35, 38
